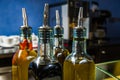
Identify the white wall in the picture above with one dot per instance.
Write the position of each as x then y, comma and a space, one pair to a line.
65, 21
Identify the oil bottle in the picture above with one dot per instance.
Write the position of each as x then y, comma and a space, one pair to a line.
45, 66
58, 50
25, 54
79, 65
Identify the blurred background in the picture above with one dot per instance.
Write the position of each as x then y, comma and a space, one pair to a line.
101, 18
102, 21
11, 15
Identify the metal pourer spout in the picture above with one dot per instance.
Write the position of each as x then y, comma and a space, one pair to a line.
57, 18
25, 29
45, 31
58, 30
80, 17
25, 22
45, 22
79, 31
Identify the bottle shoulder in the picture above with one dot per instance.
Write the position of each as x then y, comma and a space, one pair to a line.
61, 52
79, 58
23, 57
41, 60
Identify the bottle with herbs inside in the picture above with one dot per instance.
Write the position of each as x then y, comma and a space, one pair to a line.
79, 65
25, 54
58, 50
45, 66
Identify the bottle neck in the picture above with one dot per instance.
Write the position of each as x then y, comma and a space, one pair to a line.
79, 46
45, 44
26, 38
23, 38
45, 48
58, 36
58, 42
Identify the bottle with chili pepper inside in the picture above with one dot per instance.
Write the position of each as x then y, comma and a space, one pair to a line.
25, 54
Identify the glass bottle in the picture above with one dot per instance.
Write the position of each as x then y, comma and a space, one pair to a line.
79, 65
45, 67
58, 50
25, 54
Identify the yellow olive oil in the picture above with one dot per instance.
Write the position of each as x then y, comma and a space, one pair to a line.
79, 71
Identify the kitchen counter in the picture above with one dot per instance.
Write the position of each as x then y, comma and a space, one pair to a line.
112, 78
109, 70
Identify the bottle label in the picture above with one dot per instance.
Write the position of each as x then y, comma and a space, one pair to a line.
53, 78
